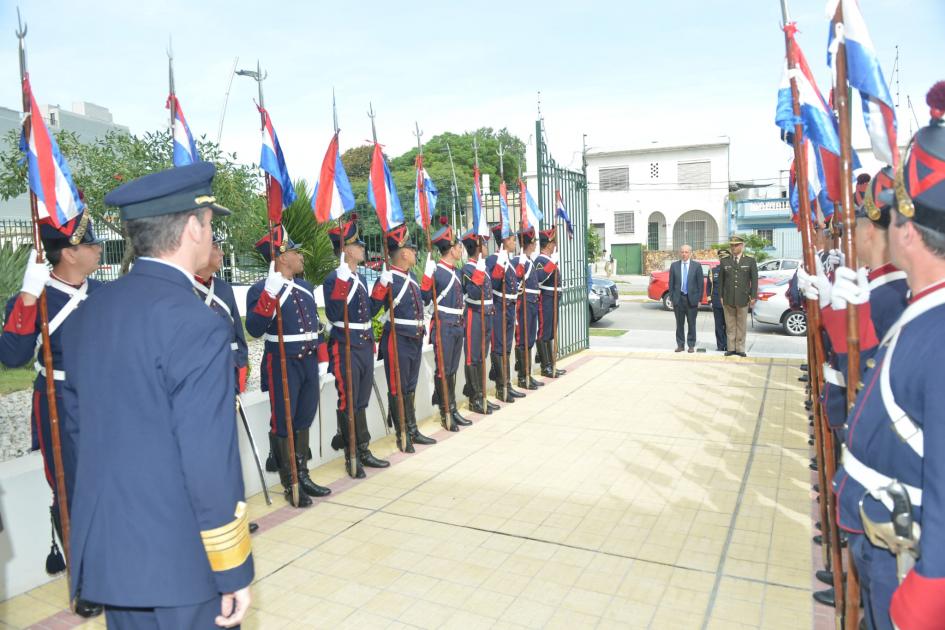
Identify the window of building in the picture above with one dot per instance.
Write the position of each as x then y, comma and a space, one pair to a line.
694, 174
692, 233
623, 222
617, 178
654, 170
768, 235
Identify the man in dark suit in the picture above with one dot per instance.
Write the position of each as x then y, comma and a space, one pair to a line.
685, 290
713, 290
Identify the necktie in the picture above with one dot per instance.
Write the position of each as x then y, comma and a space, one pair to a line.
685, 277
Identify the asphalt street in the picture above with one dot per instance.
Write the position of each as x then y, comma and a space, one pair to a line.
650, 327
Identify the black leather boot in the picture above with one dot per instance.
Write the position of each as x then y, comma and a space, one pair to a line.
272, 464
458, 420
364, 442
485, 396
548, 360
443, 407
526, 380
501, 387
513, 392
285, 473
474, 387
393, 419
306, 484
411, 410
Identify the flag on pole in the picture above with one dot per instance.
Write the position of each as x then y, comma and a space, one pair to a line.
382, 193
504, 210
185, 149
333, 195
479, 217
561, 213
424, 205
57, 199
272, 161
865, 74
531, 213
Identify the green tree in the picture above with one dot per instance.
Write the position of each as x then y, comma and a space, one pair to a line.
594, 246
754, 244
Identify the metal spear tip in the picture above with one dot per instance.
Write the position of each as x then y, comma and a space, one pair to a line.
21, 27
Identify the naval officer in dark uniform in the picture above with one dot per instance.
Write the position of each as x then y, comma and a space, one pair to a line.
159, 522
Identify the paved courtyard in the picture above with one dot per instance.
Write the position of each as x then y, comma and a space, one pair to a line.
641, 490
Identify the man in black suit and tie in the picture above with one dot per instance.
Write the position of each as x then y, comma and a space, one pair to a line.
685, 290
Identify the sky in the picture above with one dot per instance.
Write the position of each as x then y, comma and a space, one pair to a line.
624, 72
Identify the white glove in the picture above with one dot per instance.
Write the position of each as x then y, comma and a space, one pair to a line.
343, 271
554, 257
274, 281
834, 259
502, 258
849, 287
429, 267
481, 264
804, 280
323, 369
386, 277
35, 277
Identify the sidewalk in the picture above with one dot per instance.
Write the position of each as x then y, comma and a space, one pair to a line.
682, 500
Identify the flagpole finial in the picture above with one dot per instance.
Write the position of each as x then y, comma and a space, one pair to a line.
334, 111
371, 114
418, 134
501, 154
20, 27
476, 148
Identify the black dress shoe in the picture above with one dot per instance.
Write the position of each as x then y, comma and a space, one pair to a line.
515, 393
691, 350
729, 353
492, 406
87, 609
253, 527
367, 459
804, 367
534, 384
826, 576
819, 541
679, 348
826, 597
461, 421
742, 354
312, 489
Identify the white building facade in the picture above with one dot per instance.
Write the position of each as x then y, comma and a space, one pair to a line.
659, 196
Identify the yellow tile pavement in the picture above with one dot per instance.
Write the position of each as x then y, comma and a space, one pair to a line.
638, 491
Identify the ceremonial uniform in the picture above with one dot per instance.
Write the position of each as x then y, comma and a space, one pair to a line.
505, 281
713, 289
343, 286
218, 295
738, 279
448, 340
407, 324
306, 357
480, 309
526, 313
548, 276
159, 525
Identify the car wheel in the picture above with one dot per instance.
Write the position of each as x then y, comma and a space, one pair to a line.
667, 302
794, 323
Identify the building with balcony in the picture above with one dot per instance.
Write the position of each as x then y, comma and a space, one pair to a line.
765, 210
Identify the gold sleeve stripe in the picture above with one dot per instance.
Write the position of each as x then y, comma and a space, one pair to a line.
228, 546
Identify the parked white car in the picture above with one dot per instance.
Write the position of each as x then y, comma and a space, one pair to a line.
773, 307
778, 268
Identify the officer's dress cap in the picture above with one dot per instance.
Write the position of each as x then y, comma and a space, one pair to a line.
736, 240
179, 189
78, 231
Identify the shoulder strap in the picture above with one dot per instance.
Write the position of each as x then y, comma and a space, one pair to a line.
75, 298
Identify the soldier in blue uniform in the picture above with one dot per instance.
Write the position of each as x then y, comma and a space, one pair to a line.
901, 406
712, 289
547, 273
159, 523
527, 307
407, 322
505, 279
449, 298
476, 291
74, 255
305, 353
346, 283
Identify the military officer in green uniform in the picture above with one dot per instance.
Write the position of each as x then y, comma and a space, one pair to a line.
738, 279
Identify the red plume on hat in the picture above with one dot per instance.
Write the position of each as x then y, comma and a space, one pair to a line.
936, 100
444, 220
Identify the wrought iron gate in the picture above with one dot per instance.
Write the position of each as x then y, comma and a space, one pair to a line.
573, 318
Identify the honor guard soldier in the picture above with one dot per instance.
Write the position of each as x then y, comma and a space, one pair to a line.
527, 316
548, 275
347, 284
738, 279
159, 522
890, 486
712, 289
74, 255
305, 353
407, 323
505, 279
477, 291
449, 299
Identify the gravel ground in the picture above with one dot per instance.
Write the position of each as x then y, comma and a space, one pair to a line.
15, 409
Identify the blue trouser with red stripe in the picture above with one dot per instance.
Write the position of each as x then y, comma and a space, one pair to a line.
496, 337
409, 355
532, 324
452, 349
546, 316
878, 581
473, 340
302, 378
362, 378
41, 432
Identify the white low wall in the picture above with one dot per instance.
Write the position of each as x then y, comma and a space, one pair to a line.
25, 496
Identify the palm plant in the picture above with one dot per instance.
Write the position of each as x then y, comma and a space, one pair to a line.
12, 265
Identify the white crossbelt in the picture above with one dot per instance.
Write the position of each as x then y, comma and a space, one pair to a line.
211, 296
352, 325
76, 296
834, 377
469, 300
449, 310
508, 296
874, 481
532, 291
234, 346
58, 375
307, 336
544, 288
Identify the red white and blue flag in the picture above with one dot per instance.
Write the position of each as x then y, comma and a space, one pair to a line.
865, 74
333, 195
480, 225
504, 210
382, 194
272, 161
561, 213
424, 204
57, 199
531, 213
185, 149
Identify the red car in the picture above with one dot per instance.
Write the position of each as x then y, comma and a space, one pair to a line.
658, 288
